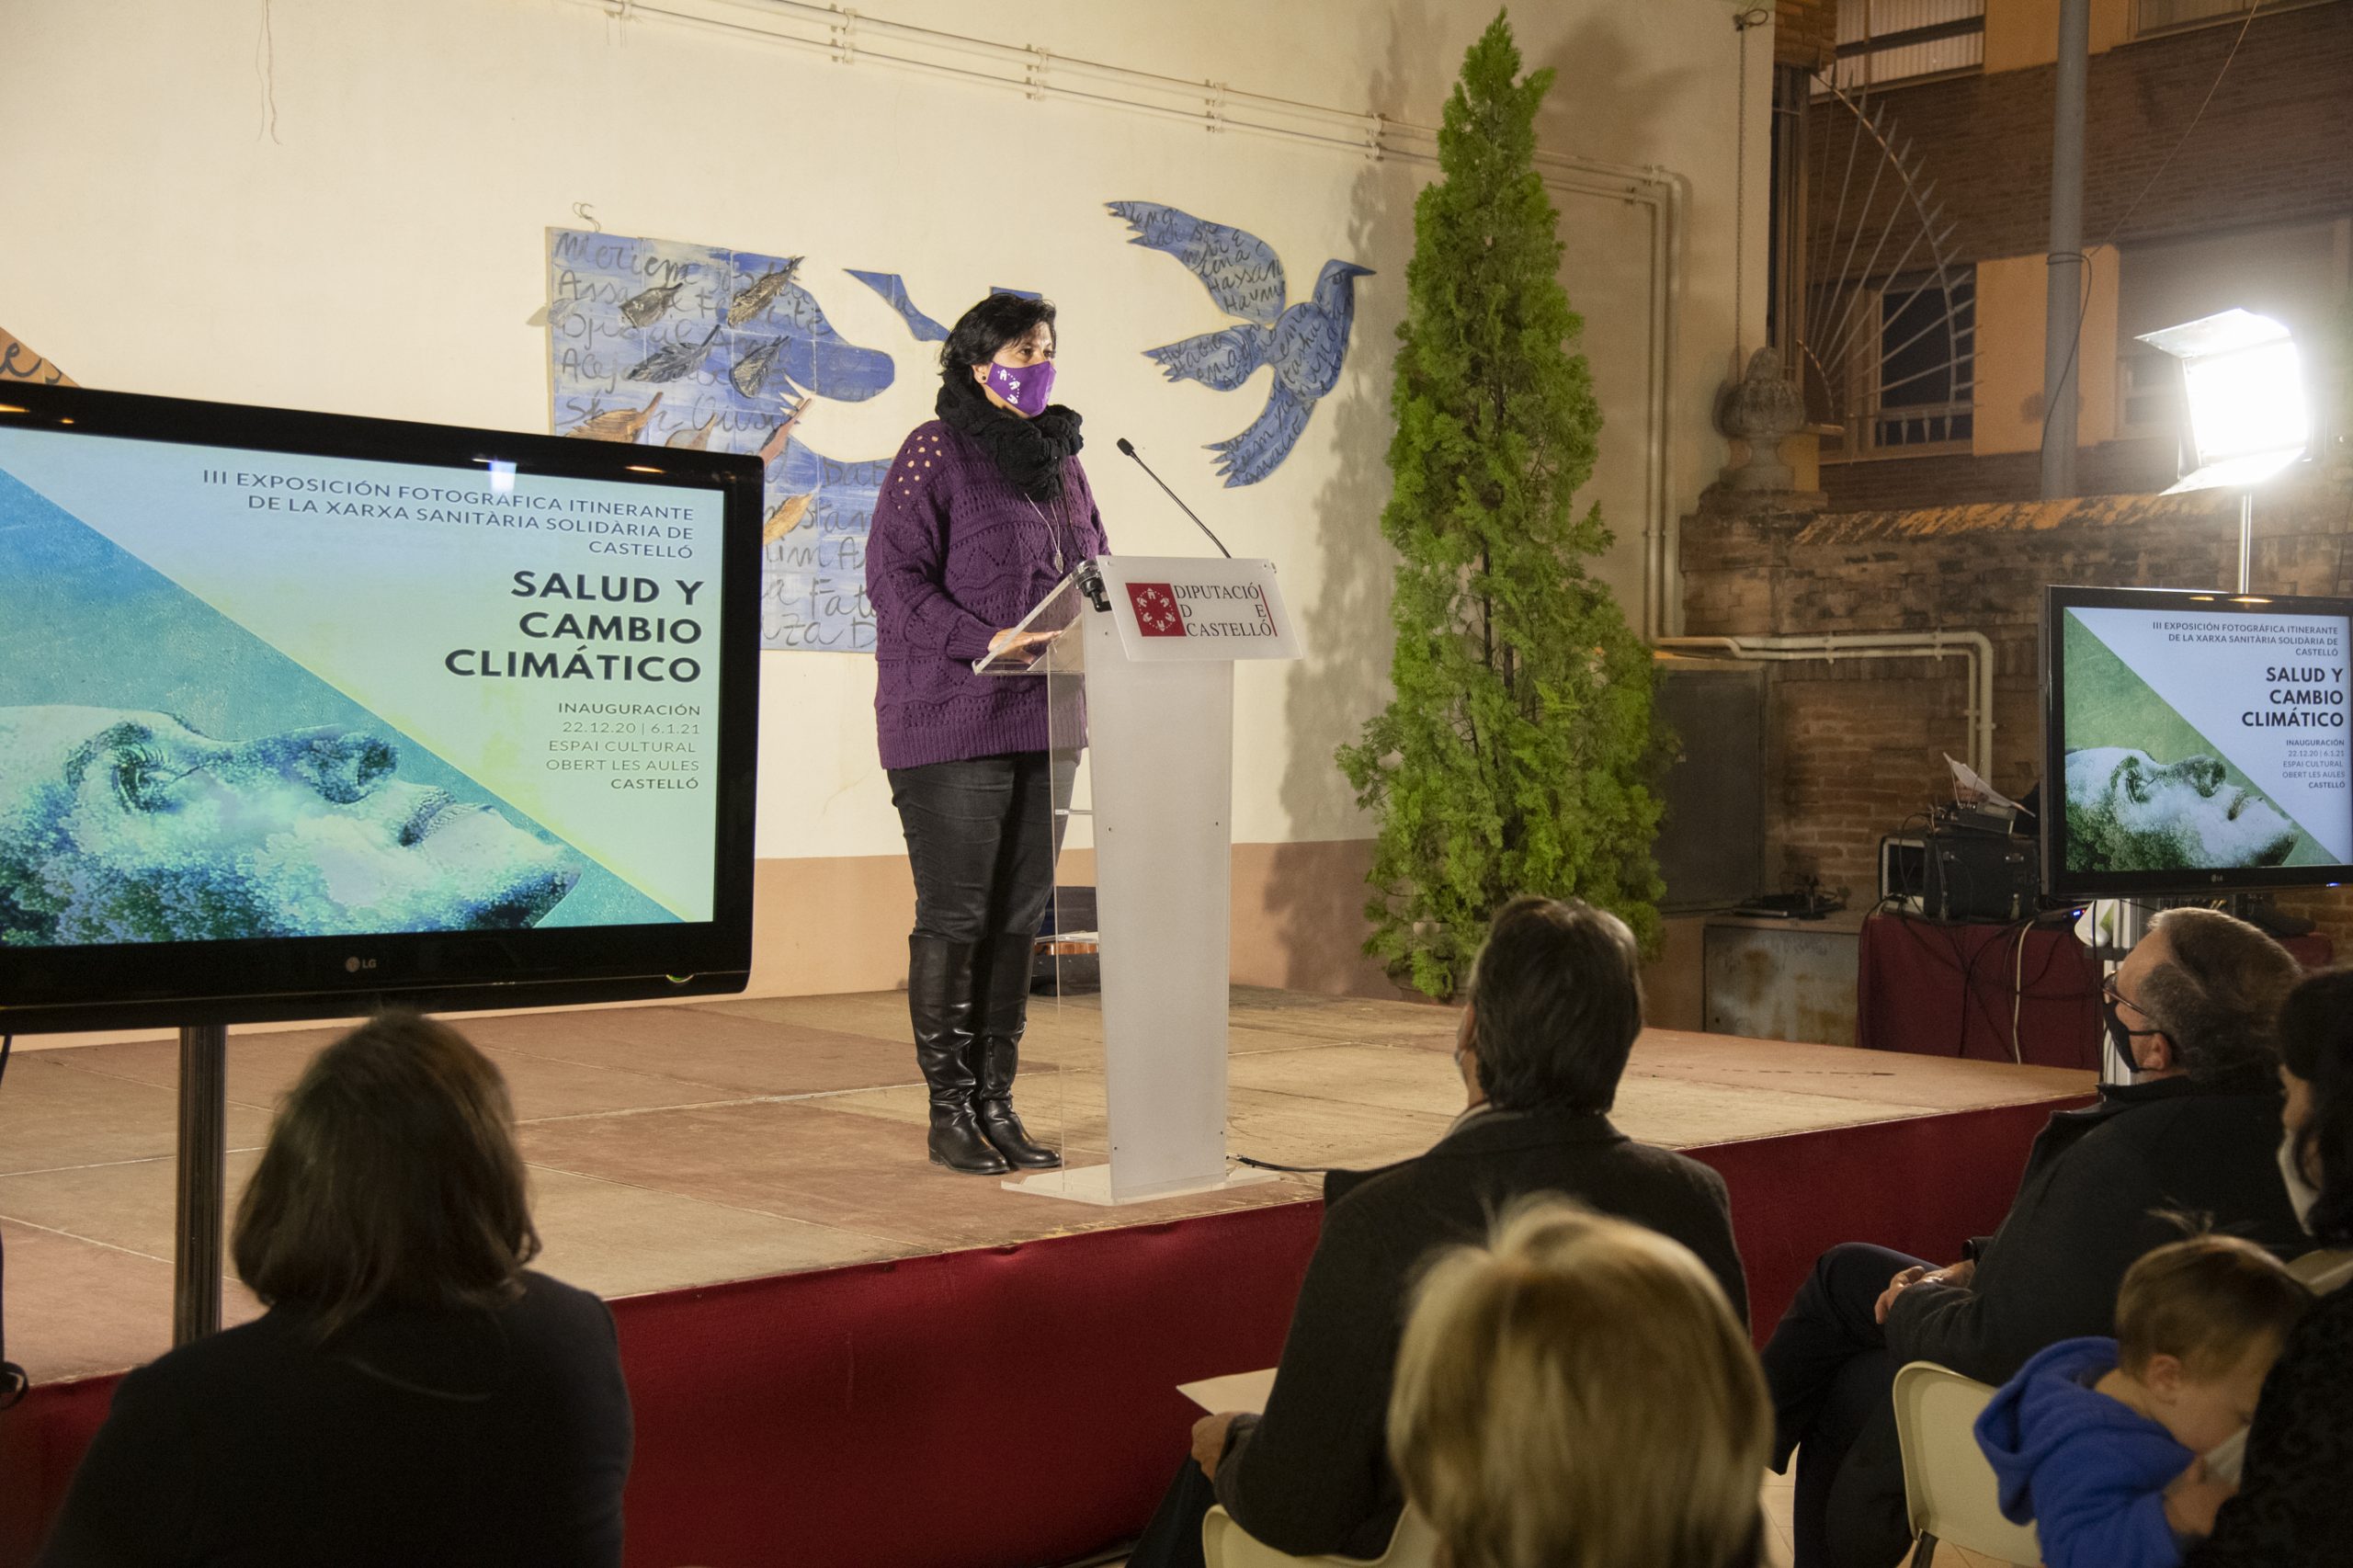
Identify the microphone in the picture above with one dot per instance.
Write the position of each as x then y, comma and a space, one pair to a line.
1128, 448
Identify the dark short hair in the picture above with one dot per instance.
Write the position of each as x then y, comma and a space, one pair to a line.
2217, 997
2207, 1302
988, 326
1556, 1001
391, 1177
2317, 1045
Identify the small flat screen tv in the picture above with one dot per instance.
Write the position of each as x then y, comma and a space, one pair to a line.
304, 715
2195, 742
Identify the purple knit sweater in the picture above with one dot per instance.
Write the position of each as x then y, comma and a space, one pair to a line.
957, 555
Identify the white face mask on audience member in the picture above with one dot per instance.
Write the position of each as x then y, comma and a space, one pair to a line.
2295, 1115
2301, 1194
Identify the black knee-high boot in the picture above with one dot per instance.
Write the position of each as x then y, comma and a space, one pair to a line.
997, 1050
939, 1002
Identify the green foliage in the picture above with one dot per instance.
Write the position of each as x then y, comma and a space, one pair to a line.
1516, 755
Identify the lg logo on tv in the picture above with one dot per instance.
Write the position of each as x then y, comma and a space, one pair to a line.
355, 964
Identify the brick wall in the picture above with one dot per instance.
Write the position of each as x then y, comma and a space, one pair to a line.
1954, 479
1805, 32
1854, 748
2274, 146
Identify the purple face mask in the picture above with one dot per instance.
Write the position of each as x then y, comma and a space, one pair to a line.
1025, 387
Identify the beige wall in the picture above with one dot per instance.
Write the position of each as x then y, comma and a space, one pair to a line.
1675, 982
2012, 308
2020, 33
348, 216
840, 923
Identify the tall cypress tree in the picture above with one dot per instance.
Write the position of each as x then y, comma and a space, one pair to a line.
1515, 757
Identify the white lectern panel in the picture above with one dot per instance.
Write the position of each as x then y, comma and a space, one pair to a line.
1145, 683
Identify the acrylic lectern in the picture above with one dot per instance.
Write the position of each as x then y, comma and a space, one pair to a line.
1139, 673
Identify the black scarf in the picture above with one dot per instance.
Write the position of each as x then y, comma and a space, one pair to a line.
1027, 452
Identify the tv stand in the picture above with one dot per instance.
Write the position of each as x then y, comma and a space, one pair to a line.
203, 1181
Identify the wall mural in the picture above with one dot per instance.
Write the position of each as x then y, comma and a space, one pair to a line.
1305, 343
19, 363
665, 343
894, 288
679, 345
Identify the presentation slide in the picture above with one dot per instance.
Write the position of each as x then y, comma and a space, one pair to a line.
2199, 740
250, 694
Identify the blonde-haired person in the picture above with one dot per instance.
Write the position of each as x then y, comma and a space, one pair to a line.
1577, 1394
1554, 1009
2193, 1012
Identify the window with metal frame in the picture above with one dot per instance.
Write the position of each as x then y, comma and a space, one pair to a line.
2151, 16
1885, 41
1927, 381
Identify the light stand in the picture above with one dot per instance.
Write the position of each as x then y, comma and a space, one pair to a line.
202, 1194
2246, 538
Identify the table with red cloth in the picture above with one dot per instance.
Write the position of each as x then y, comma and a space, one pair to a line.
1991, 992
2313, 951
1946, 988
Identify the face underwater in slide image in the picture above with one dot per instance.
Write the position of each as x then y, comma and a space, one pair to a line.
2127, 812
121, 827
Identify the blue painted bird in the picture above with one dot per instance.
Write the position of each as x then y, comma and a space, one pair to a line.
778, 329
893, 288
1305, 344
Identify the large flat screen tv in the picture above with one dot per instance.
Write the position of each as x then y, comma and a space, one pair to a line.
301, 715
2195, 742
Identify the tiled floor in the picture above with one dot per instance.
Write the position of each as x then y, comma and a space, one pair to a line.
1777, 1497
680, 1145
1778, 1492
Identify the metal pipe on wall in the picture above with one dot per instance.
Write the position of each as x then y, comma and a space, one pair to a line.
1974, 647
1663, 608
2063, 296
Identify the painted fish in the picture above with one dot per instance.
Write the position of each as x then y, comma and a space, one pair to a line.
786, 516
755, 298
752, 370
692, 438
19, 363
616, 423
669, 364
781, 437
644, 310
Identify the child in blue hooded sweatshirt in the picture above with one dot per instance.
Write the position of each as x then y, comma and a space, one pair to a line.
2099, 1441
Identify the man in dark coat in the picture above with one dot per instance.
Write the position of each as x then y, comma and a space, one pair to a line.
1554, 1005
2191, 1138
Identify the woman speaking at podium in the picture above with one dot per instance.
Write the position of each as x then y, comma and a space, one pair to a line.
984, 510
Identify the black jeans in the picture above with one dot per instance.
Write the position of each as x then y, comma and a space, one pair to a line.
982, 836
1172, 1538
1831, 1378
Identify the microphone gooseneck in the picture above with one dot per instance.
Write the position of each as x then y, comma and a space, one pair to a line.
1127, 448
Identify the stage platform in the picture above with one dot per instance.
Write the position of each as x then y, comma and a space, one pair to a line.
781, 1143
684, 1145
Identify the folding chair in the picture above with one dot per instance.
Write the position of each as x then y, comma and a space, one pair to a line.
1226, 1544
1949, 1492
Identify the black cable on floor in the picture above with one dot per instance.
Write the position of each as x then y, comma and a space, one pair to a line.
1290, 1170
